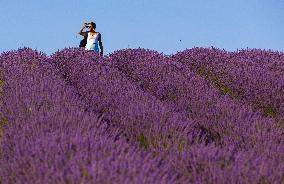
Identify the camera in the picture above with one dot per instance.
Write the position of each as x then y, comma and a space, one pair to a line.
90, 24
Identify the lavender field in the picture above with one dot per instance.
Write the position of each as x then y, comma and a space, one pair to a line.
203, 115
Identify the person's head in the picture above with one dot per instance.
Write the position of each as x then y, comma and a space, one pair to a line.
91, 26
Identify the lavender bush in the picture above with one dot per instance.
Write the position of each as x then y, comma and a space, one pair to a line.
254, 77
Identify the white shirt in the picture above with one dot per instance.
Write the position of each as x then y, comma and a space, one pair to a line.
92, 39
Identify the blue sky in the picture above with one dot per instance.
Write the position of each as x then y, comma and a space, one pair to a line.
167, 26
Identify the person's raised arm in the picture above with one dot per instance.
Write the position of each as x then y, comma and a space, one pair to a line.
101, 44
81, 30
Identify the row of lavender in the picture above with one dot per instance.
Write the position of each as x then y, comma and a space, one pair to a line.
49, 136
254, 77
245, 139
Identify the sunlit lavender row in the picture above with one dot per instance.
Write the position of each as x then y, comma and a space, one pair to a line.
252, 76
135, 116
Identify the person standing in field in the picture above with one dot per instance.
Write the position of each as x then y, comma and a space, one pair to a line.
94, 39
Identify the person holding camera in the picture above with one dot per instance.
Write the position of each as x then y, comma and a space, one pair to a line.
93, 38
